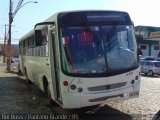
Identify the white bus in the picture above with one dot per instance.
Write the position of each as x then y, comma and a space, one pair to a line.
82, 58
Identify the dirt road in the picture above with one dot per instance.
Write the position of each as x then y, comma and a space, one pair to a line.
17, 97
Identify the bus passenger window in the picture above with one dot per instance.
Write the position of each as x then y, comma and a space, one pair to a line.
38, 37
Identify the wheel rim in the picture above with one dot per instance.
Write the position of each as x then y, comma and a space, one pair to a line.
150, 73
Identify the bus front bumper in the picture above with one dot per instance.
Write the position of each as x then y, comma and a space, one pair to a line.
72, 100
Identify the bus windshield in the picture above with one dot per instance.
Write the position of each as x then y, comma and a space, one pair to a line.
97, 42
98, 49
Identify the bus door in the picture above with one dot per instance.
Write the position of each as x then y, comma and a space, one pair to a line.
56, 68
53, 57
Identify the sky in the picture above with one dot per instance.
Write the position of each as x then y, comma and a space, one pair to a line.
142, 12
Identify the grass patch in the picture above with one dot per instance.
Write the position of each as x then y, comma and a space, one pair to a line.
37, 103
34, 102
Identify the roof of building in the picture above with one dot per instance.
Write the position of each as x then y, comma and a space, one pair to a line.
147, 28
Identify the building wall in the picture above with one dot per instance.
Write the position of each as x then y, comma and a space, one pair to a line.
155, 49
149, 49
144, 48
148, 40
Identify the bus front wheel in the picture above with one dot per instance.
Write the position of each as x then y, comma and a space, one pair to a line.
47, 92
46, 88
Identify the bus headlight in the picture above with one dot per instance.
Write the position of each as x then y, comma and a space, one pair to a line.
80, 89
132, 81
136, 78
73, 87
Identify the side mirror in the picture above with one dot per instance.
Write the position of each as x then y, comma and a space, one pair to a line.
38, 32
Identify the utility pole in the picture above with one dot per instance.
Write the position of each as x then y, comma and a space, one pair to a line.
9, 32
4, 46
11, 16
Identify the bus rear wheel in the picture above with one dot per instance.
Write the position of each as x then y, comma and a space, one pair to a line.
27, 79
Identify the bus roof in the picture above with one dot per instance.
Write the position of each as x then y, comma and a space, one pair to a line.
53, 18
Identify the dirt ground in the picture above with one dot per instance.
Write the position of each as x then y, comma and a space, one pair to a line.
16, 96
27, 101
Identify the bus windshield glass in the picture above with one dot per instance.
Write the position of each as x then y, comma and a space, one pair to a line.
98, 49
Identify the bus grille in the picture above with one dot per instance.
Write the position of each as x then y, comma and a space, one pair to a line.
107, 87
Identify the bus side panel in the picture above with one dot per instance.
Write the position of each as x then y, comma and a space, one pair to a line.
38, 68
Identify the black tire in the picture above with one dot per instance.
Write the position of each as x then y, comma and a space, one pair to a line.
19, 70
47, 93
46, 88
27, 79
150, 73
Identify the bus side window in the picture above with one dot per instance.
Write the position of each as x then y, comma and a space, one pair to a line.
38, 37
